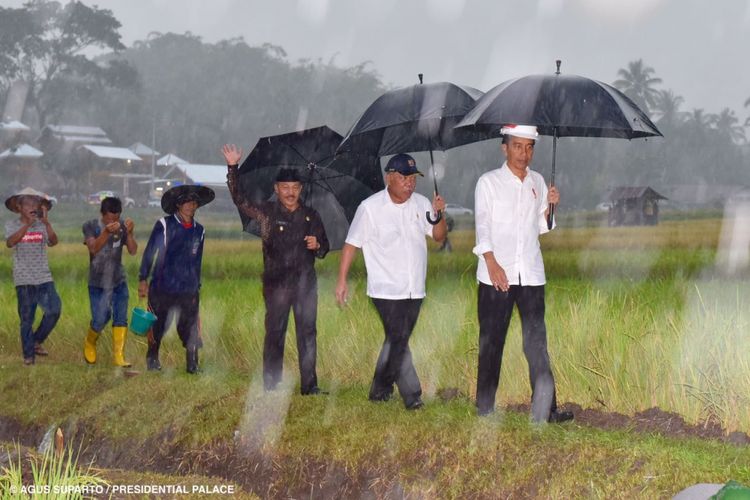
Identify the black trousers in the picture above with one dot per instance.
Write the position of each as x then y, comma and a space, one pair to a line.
394, 362
494, 311
165, 306
302, 299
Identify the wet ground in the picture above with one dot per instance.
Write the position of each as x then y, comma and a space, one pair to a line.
267, 478
651, 421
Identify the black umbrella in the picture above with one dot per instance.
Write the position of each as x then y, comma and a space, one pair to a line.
560, 106
334, 185
416, 118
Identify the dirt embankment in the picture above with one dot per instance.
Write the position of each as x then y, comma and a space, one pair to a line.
245, 464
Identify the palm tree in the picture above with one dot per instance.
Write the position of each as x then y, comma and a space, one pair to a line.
668, 108
698, 123
638, 83
727, 125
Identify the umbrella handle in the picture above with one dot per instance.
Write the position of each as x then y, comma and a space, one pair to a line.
437, 218
551, 214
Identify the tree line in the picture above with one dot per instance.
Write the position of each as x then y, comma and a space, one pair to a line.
194, 96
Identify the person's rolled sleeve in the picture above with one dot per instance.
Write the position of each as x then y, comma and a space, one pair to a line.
482, 219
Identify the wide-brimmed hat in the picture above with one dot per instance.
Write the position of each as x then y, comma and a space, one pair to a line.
12, 202
186, 192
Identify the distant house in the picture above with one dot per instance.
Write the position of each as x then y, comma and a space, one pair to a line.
105, 162
143, 151
634, 206
19, 166
62, 155
66, 138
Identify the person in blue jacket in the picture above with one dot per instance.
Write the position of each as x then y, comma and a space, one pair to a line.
173, 258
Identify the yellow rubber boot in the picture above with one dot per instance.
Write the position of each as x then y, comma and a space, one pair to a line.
89, 346
118, 346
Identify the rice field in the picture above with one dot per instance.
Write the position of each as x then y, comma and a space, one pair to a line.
636, 317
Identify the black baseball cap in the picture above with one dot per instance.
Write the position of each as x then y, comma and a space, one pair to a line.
403, 164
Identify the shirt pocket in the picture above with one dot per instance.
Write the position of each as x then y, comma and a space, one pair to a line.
503, 211
387, 234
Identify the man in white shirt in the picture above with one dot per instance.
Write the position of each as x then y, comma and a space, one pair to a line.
511, 205
390, 228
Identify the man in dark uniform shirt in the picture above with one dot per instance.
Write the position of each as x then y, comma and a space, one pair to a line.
293, 236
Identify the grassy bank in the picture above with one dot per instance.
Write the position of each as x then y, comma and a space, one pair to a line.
223, 424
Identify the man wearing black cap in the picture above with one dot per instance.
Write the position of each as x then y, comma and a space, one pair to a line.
390, 228
293, 236
176, 244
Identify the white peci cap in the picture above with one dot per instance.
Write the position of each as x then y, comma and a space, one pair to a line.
523, 131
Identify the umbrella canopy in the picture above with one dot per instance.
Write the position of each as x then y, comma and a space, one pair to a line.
560, 106
416, 118
334, 185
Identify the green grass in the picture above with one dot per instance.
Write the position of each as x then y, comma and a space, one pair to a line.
443, 451
636, 317
57, 475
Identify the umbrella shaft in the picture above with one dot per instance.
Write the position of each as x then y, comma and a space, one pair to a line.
434, 174
554, 157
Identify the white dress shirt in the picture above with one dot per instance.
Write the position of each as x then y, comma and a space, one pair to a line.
510, 217
392, 239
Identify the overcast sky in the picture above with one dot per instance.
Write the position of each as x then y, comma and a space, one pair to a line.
699, 49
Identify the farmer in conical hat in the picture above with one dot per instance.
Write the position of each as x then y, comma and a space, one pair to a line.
29, 236
172, 259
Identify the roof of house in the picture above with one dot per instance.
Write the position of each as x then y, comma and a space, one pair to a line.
142, 150
14, 125
76, 133
170, 159
22, 151
75, 130
628, 192
112, 153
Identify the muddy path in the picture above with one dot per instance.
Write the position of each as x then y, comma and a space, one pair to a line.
271, 476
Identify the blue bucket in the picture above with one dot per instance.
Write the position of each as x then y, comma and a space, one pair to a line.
141, 321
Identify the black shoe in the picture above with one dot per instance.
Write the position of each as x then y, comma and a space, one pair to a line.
152, 363
152, 358
415, 405
191, 360
379, 398
557, 417
485, 412
315, 391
